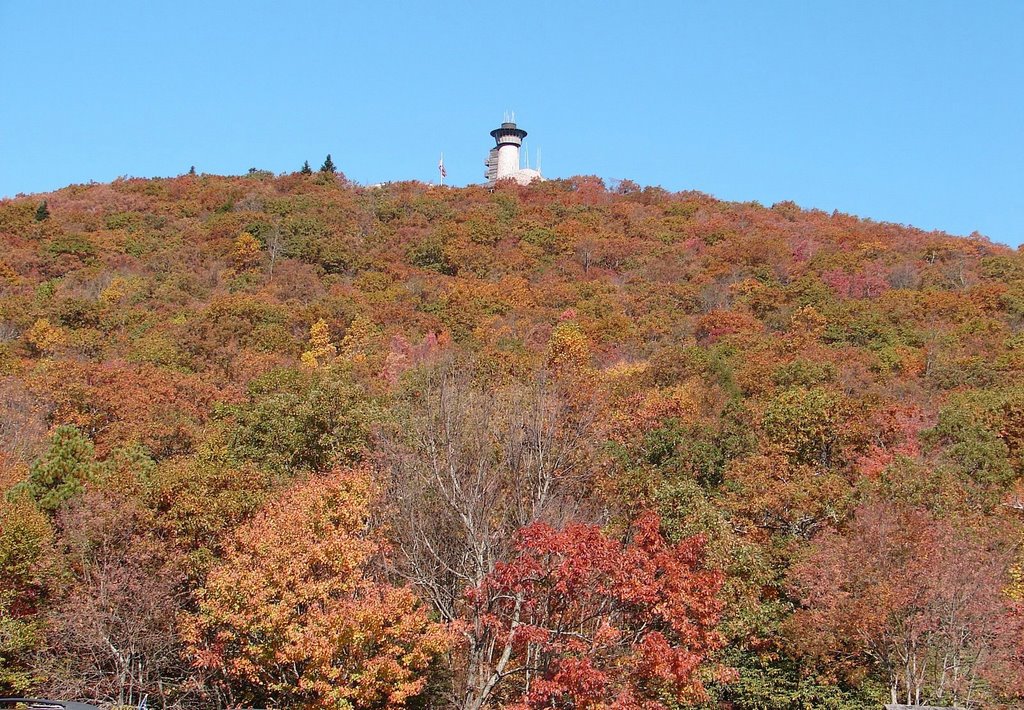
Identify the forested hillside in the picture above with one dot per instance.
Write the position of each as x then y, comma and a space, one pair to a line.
286, 441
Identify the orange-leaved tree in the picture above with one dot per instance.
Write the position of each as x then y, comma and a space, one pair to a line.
580, 619
293, 617
246, 253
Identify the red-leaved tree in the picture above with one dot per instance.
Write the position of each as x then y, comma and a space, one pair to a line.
912, 597
580, 619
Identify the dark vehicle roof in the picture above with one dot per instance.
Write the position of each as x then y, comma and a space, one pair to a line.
40, 704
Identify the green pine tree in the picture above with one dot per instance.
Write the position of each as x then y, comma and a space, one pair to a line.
306, 170
62, 471
328, 166
192, 170
43, 212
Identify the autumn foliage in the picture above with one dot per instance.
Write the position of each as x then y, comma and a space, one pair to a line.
588, 621
290, 441
916, 595
293, 614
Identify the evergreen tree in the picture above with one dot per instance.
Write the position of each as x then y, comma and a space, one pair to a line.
328, 166
306, 170
43, 212
192, 170
62, 471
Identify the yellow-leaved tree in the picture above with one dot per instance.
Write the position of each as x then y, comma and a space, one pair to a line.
568, 349
321, 351
44, 337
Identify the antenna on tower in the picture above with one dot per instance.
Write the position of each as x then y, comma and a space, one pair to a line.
513, 117
538, 159
526, 149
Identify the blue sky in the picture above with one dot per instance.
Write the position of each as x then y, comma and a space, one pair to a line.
907, 111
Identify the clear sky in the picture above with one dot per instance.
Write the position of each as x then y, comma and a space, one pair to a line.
908, 111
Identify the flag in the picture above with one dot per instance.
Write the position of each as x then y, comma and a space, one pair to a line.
440, 167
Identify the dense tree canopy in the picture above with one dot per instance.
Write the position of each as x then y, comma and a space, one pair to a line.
295, 442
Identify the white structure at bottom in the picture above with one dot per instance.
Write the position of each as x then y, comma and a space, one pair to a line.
503, 160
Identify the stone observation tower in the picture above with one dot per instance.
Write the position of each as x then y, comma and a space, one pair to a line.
503, 160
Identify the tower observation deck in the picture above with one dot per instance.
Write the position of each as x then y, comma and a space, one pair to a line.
503, 160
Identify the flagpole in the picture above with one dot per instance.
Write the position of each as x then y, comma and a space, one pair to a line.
440, 168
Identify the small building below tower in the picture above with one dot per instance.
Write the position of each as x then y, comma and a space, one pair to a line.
503, 160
